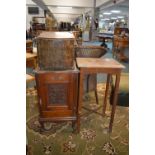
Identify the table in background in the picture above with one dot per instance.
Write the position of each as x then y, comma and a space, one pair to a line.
104, 36
31, 60
97, 65
29, 46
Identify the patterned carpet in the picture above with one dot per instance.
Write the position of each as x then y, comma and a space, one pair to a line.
93, 138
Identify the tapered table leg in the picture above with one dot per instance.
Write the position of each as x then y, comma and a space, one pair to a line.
106, 94
114, 101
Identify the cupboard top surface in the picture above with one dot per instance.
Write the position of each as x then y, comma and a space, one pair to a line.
56, 35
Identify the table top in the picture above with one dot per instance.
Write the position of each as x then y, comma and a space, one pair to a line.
107, 32
30, 56
98, 63
105, 36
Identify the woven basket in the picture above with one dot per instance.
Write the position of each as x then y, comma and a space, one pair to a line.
90, 51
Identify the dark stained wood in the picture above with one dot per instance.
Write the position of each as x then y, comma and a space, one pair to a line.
57, 95
114, 102
55, 50
97, 65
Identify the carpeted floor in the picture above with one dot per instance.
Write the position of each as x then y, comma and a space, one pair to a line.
93, 138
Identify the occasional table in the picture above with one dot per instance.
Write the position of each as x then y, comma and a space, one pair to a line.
98, 65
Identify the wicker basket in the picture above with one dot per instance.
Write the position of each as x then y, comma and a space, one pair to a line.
90, 51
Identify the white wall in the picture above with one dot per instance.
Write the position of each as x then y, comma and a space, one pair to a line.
77, 3
66, 14
100, 2
66, 10
65, 17
30, 2
29, 17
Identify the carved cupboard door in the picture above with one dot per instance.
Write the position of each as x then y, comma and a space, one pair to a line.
57, 93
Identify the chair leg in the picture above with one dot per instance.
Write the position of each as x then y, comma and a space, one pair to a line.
96, 96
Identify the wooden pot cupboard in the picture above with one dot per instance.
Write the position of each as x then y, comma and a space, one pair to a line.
57, 96
56, 78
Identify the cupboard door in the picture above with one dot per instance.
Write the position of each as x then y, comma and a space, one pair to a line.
57, 93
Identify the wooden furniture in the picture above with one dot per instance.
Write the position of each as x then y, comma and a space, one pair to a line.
90, 80
57, 78
38, 25
29, 46
55, 50
94, 66
57, 96
31, 60
119, 30
37, 28
119, 45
